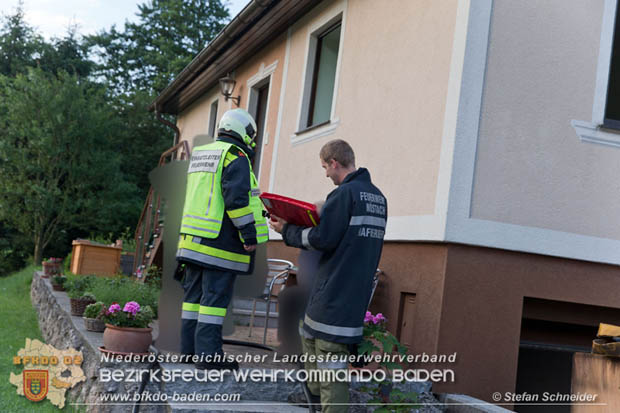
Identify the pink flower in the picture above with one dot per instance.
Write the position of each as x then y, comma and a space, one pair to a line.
114, 308
131, 307
368, 318
379, 318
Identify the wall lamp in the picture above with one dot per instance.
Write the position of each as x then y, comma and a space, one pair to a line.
227, 85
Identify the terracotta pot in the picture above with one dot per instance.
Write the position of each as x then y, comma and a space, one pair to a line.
127, 339
94, 324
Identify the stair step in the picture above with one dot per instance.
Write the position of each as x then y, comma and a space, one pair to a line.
260, 391
246, 406
247, 304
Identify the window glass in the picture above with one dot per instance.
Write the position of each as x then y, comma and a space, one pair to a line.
612, 108
324, 76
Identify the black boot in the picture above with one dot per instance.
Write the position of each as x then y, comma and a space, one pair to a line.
300, 399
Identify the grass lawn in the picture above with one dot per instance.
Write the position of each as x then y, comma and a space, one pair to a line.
19, 321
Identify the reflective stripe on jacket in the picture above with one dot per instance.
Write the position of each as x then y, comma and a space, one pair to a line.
222, 209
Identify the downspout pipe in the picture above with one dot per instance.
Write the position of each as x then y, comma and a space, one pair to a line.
177, 132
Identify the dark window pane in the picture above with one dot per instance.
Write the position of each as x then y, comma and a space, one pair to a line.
212, 118
612, 109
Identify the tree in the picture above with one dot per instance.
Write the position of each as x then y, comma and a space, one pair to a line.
20, 46
57, 166
148, 54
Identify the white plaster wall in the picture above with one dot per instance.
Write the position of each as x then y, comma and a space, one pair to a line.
390, 100
531, 169
194, 120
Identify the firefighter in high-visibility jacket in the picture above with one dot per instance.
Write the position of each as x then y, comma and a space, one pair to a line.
221, 225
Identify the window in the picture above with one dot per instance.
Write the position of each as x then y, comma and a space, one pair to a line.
606, 108
212, 119
321, 76
612, 104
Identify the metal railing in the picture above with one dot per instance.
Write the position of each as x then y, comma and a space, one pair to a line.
150, 226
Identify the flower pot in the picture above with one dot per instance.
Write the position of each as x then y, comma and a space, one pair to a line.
78, 306
58, 287
127, 339
50, 268
94, 324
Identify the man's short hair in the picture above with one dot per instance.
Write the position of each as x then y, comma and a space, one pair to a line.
339, 151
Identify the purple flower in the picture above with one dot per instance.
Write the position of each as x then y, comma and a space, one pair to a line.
114, 308
368, 318
379, 318
131, 307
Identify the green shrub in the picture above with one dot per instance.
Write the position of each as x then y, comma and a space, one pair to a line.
59, 279
122, 289
76, 285
94, 310
67, 263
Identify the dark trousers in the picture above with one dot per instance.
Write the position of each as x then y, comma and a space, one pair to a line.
207, 294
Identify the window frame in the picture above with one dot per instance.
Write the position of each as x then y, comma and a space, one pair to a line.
603, 71
315, 75
212, 125
598, 130
308, 80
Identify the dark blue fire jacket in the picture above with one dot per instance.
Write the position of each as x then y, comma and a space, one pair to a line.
350, 235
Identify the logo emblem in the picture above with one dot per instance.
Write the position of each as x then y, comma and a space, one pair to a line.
35, 384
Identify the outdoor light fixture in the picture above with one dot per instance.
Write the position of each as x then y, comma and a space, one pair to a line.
227, 85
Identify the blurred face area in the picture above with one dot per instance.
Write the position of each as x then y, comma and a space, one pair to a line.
332, 171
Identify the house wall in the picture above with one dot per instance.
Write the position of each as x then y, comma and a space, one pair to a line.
390, 97
531, 168
482, 309
195, 119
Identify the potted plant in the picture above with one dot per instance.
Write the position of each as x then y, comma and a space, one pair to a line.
51, 267
58, 282
79, 301
127, 328
92, 317
377, 339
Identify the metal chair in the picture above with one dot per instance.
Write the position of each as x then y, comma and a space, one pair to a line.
375, 282
279, 271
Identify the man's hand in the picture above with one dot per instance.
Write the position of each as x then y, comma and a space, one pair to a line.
249, 248
276, 223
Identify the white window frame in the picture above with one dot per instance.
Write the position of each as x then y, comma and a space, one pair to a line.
592, 131
264, 75
304, 133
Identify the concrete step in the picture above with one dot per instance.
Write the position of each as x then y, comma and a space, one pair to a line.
247, 303
242, 312
247, 406
266, 393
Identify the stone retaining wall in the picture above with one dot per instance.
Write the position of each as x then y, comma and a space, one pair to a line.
62, 330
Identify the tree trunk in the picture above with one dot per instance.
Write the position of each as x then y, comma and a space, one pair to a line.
38, 250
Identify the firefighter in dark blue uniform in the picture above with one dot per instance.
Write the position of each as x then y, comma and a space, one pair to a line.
350, 236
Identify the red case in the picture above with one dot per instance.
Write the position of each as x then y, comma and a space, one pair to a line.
293, 211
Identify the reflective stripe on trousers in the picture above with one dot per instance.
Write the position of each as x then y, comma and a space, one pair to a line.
190, 311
